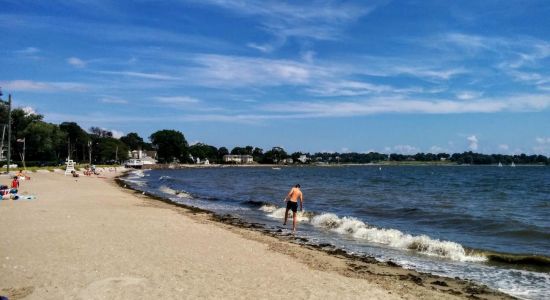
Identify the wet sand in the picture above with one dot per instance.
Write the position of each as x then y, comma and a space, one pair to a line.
88, 238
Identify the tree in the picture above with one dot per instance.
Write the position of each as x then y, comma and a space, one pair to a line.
100, 132
204, 151
171, 145
258, 154
44, 142
221, 152
108, 150
78, 140
133, 141
275, 155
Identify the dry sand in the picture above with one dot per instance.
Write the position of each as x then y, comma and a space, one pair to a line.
87, 238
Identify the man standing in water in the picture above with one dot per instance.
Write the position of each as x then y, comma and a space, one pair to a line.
292, 203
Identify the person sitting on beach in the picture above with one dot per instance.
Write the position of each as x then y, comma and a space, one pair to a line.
15, 183
22, 175
74, 173
87, 171
292, 203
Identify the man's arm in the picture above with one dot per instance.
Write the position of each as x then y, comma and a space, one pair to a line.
301, 201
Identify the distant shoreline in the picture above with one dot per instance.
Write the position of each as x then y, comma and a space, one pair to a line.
379, 164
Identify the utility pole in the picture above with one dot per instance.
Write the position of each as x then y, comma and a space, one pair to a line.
9, 133
90, 152
9, 128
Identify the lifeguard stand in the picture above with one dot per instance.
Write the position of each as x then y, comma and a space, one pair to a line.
70, 166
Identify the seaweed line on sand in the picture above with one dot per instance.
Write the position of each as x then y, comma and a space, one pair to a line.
327, 257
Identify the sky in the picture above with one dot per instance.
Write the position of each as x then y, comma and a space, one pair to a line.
338, 76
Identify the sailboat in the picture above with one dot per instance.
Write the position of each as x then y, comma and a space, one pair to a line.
499, 164
513, 165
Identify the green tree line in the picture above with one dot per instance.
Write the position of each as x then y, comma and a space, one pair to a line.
50, 144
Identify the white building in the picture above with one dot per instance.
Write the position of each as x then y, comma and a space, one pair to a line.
146, 157
238, 159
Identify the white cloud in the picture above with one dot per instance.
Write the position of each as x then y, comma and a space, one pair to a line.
117, 134
542, 146
468, 95
154, 76
28, 51
381, 105
219, 70
76, 62
437, 149
503, 147
308, 56
348, 88
177, 100
473, 142
437, 74
265, 48
317, 20
405, 149
38, 86
113, 100
29, 110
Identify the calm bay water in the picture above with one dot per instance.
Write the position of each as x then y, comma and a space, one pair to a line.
443, 220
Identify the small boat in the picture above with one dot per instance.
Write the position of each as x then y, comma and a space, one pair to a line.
499, 164
513, 165
275, 168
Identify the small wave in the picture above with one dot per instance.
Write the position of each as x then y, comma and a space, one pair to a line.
254, 203
394, 238
539, 261
171, 191
165, 177
135, 182
279, 213
138, 173
268, 208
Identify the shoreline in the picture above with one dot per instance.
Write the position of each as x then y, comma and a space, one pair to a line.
357, 266
89, 238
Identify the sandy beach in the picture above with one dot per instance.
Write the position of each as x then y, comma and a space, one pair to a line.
88, 238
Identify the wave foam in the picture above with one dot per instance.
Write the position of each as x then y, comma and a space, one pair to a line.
138, 173
171, 191
279, 213
394, 238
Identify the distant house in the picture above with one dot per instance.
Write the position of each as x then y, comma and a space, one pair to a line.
146, 157
287, 161
238, 159
303, 158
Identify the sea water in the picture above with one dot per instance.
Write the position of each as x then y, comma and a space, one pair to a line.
455, 221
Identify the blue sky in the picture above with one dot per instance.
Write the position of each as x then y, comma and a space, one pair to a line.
386, 76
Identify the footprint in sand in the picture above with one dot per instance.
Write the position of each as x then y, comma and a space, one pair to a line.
114, 288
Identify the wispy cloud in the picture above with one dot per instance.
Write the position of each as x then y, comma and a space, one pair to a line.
177, 100
113, 100
542, 145
219, 70
76, 62
418, 106
402, 149
28, 51
468, 95
317, 20
348, 88
473, 142
154, 76
41, 86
